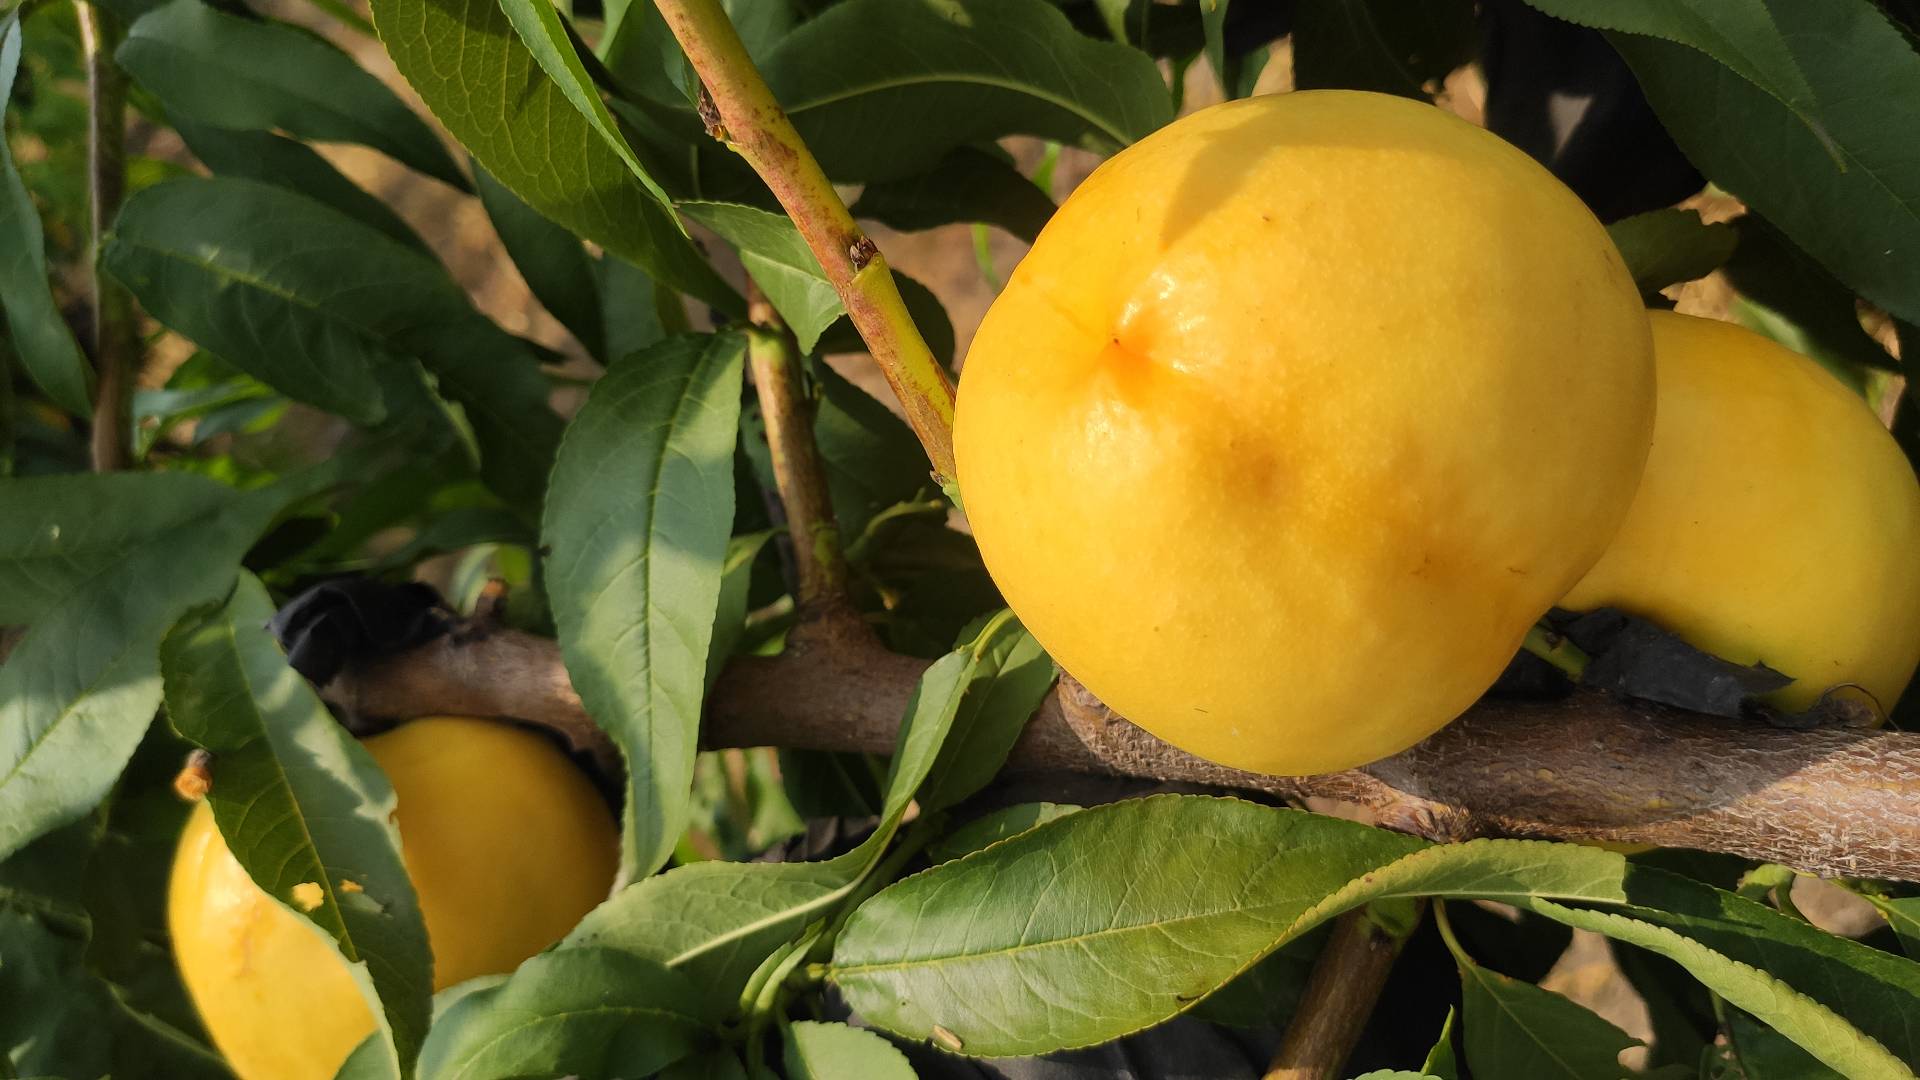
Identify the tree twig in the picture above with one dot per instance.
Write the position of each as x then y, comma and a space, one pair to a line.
740, 110
1340, 995
116, 341
1833, 801
797, 470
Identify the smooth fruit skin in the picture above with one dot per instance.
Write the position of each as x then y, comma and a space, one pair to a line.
1297, 415
507, 843
1778, 522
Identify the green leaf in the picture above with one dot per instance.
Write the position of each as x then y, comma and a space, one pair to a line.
635, 312
969, 185
1849, 199
1011, 677
821, 783
557, 269
936, 703
1785, 295
1844, 1002
986, 68
53, 1011
454, 530
1392, 46
1680, 1011
730, 614
1213, 23
545, 37
636, 526
41, 339
1903, 915
62, 1015
640, 51
1516, 1031
991, 828
279, 286
125, 887
817, 1051
872, 459
61, 531
288, 163
373, 1058
8, 408
762, 24
331, 311
233, 72
299, 801
579, 1012
1440, 1062
719, 1063
1764, 1054
496, 380
1096, 949
1235, 880
47, 878
1266, 994
779, 261
1747, 36
718, 921
81, 687
146, 1046
464, 60
1667, 247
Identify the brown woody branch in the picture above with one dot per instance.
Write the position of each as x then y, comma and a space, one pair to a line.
1835, 801
797, 469
1345, 985
116, 340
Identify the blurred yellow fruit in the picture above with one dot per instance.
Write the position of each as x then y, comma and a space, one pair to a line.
506, 842
1778, 521
1296, 417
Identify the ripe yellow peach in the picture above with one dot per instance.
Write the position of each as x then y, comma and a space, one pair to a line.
1778, 521
506, 842
1296, 417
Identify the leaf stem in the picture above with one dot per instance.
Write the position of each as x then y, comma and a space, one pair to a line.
1557, 650
1445, 925
911, 843
797, 469
740, 110
858, 550
116, 341
768, 995
1340, 995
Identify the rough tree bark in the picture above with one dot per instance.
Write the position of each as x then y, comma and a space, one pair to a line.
1829, 801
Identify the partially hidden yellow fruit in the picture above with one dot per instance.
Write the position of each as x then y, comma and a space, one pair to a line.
506, 842
1296, 417
1778, 521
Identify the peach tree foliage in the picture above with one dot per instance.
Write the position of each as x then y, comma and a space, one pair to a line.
345, 408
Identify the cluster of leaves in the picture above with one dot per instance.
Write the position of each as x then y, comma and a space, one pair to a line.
638, 532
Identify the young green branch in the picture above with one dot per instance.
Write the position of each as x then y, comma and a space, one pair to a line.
797, 470
740, 110
116, 340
